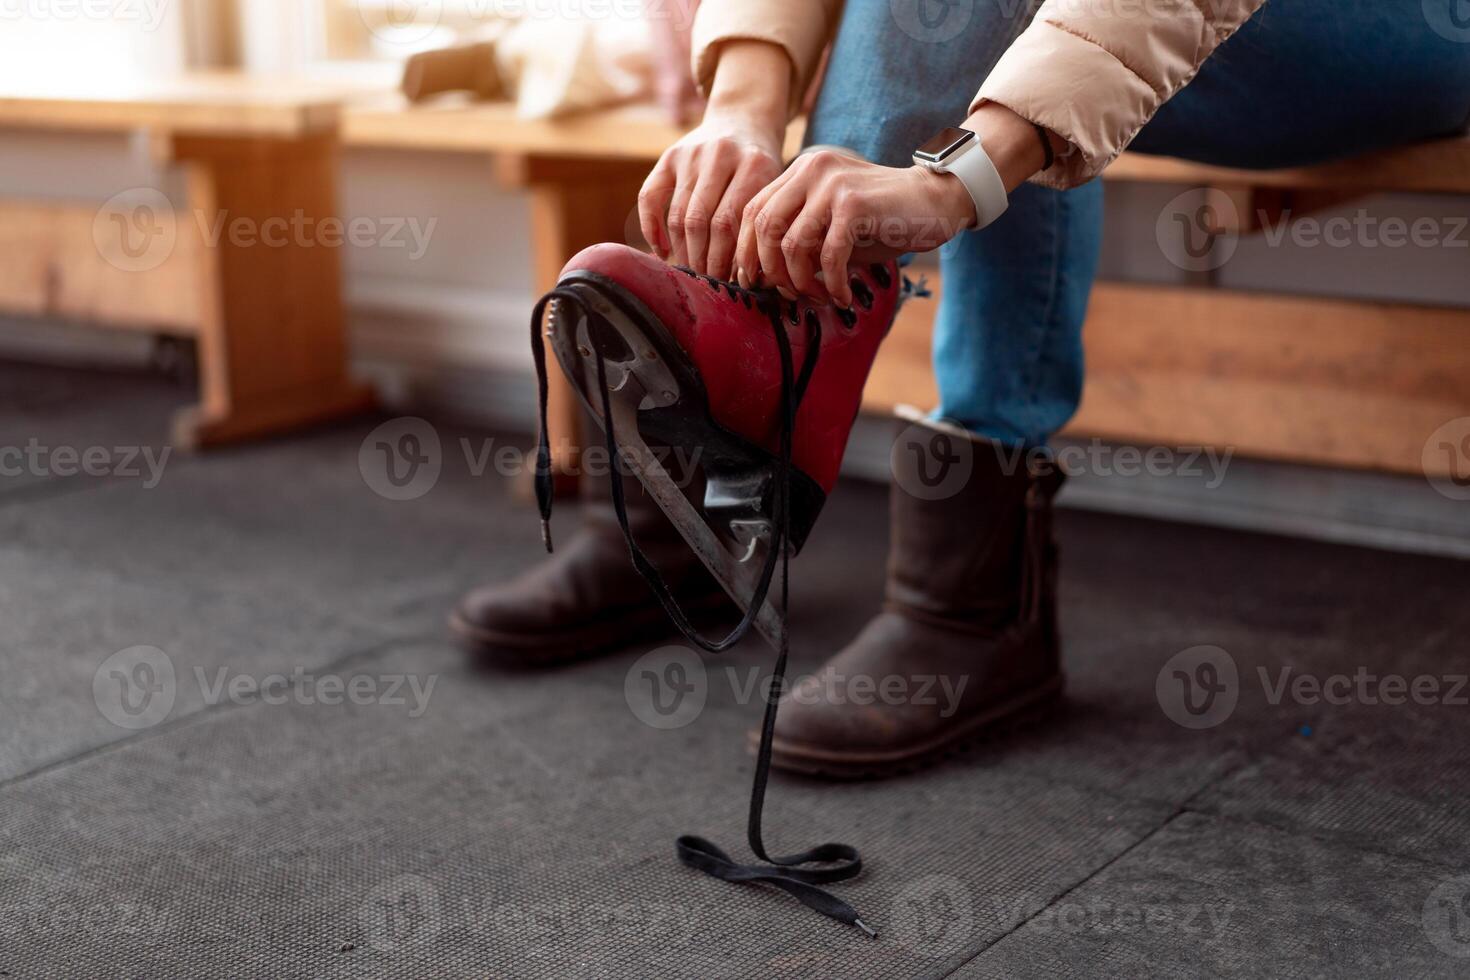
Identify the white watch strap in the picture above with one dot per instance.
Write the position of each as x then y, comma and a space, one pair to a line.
973, 166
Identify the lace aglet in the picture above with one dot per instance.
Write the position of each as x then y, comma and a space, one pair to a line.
864, 927
546, 534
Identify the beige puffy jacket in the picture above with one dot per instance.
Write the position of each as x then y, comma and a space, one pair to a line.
1091, 71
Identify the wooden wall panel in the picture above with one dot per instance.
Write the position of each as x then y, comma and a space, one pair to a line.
55, 267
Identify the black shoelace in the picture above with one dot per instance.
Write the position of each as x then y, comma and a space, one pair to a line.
841, 861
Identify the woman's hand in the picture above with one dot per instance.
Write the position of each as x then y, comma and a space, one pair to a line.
690, 205
830, 209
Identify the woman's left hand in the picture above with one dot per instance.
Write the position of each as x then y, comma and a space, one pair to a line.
830, 209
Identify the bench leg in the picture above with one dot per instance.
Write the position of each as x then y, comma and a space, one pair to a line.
273, 344
574, 204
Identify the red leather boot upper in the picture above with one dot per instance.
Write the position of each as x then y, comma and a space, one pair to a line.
731, 344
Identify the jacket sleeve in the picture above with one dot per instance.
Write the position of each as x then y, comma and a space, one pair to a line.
801, 28
1094, 71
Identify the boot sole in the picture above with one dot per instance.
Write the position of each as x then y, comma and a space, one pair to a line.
1017, 713
522, 650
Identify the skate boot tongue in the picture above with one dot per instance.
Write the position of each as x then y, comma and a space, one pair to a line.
787, 873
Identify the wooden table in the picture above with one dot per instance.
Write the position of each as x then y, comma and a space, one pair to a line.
264, 306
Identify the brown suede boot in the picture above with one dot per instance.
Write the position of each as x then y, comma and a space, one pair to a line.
968, 635
586, 598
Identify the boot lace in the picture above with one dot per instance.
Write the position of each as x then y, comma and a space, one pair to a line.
838, 862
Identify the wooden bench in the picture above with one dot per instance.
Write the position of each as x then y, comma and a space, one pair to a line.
268, 319
1359, 384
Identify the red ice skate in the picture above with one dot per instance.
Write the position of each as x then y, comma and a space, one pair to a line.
701, 367
760, 393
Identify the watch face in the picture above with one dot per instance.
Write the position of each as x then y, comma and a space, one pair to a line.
943, 144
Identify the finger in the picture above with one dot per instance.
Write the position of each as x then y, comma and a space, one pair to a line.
801, 248
725, 225
684, 187
773, 223
653, 205
837, 255
747, 258
717, 166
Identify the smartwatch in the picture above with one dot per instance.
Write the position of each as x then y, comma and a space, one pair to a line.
958, 152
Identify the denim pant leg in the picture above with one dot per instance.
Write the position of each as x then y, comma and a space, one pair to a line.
1007, 332
1312, 80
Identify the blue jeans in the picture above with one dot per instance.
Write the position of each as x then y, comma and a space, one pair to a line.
1304, 81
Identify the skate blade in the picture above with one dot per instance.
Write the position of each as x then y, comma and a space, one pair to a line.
640, 377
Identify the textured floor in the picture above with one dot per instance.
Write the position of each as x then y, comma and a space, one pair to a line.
514, 825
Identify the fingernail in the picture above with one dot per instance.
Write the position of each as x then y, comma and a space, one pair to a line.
786, 293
